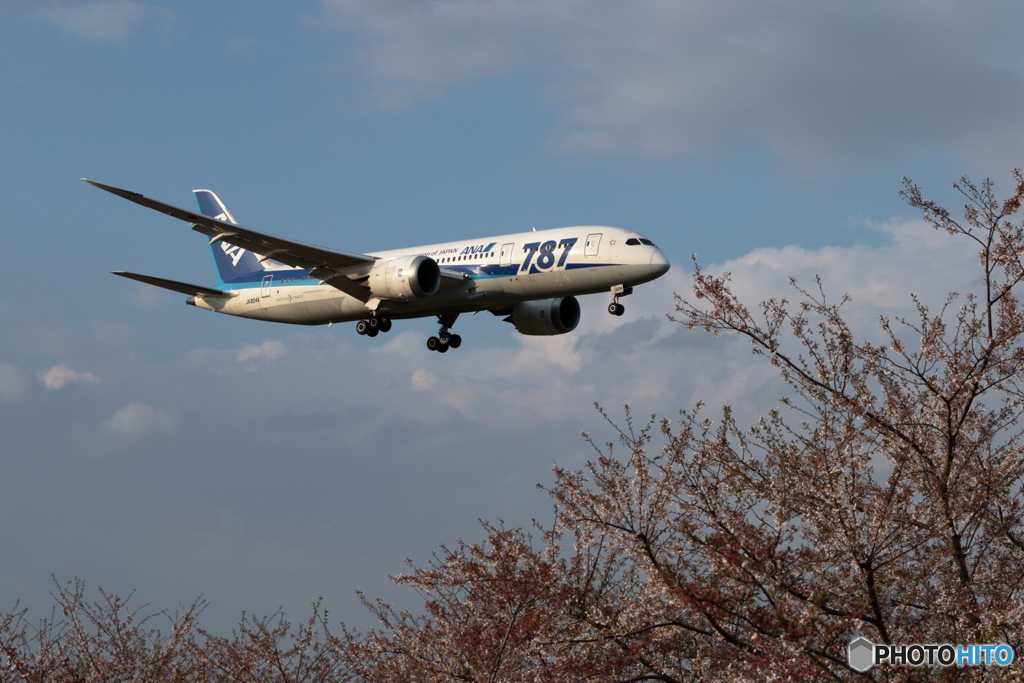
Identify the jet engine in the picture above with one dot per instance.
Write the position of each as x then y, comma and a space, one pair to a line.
405, 277
546, 317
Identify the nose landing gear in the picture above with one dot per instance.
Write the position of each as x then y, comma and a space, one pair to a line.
615, 308
445, 340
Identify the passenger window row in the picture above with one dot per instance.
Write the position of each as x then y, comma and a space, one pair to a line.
467, 257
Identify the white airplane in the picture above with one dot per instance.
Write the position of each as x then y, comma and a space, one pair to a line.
532, 278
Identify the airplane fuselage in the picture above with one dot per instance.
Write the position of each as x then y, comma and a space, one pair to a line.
496, 272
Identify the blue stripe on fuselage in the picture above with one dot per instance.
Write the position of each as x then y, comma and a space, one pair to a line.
300, 278
297, 276
575, 266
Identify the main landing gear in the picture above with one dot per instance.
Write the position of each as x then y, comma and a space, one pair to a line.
615, 308
445, 339
373, 326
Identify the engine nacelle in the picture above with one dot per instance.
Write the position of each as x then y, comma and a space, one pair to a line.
405, 277
546, 317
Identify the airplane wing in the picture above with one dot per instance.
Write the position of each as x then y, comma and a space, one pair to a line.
322, 263
288, 252
183, 287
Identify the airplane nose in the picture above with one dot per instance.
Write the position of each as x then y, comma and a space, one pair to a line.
659, 264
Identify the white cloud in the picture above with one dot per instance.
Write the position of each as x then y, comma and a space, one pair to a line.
61, 375
12, 382
822, 84
423, 379
918, 259
147, 295
416, 47
271, 349
138, 419
104, 21
880, 280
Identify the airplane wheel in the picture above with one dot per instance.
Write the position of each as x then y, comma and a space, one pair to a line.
433, 343
374, 323
444, 338
362, 326
443, 348
616, 309
385, 324
373, 332
455, 341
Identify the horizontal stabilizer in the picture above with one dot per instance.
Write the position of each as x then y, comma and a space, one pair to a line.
183, 287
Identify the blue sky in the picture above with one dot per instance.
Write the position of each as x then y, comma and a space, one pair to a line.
148, 445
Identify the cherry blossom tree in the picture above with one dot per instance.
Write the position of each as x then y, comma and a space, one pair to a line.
518, 609
883, 496
273, 650
102, 640
107, 641
494, 611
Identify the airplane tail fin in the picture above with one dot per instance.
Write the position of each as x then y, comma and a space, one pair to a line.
229, 261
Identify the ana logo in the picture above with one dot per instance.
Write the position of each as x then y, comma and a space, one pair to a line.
479, 249
232, 251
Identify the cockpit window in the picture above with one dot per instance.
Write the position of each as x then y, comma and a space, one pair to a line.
632, 241
647, 242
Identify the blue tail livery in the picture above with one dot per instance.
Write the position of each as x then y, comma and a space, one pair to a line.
230, 261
